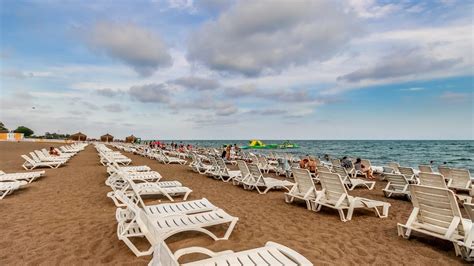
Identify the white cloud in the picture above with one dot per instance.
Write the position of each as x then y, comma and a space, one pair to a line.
251, 40
371, 9
413, 89
455, 97
143, 50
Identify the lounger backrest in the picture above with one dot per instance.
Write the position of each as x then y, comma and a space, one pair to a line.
243, 168
333, 186
445, 171
425, 168
303, 179
406, 171
393, 165
256, 174
33, 155
397, 181
469, 207
432, 180
221, 164
214, 162
162, 256
339, 170
437, 208
322, 167
460, 178
28, 159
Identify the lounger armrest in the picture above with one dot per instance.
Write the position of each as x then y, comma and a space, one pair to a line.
290, 253
184, 251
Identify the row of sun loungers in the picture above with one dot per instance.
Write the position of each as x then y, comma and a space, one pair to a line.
158, 222
10, 182
42, 158
435, 197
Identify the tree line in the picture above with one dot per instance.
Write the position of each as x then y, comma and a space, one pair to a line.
27, 132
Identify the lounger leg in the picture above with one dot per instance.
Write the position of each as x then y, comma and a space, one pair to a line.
349, 214
230, 229
186, 195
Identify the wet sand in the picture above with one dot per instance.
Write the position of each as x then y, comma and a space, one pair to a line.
66, 218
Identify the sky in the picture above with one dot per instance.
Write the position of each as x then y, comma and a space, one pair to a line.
210, 69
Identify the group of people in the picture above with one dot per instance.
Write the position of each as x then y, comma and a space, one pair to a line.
309, 163
230, 151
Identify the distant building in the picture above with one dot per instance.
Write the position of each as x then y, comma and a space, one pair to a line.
107, 138
79, 136
130, 139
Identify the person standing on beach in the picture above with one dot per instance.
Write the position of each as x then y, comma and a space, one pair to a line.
227, 152
223, 152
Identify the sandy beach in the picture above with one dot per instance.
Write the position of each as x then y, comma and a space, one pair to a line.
65, 218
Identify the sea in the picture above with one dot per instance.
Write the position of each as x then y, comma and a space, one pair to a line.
454, 153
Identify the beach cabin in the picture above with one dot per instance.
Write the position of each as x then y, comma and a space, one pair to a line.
107, 138
130, 139
79, 136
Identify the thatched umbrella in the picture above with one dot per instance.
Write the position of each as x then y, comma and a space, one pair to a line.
79, 136
130, 139
107, 138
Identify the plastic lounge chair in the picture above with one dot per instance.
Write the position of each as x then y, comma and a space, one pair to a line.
435, 213
271, 254
425, 168
28, 177
352, 183
166, 226
7, 188
303, 188
257, 180
334, 195
30, 164
397, 185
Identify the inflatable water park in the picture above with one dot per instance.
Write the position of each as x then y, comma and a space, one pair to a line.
258, 144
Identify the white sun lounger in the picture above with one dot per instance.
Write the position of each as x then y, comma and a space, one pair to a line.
7, 188
28, 177
465, 247
30, 164
163, 227
303, 189
460, 179
435, 213
257, 180
271, 254
352, 183
155, 189
409, 174
224, 173
397, 185
334, 195
244, 173
163, 209
425, 168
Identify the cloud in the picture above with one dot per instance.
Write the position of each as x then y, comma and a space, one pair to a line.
196, 83
259, 37
17, 74
281, 95
372, 9
114, 108
400, 64
413, 89
212, 6
455, 97
143, 50
108, 92
151, 93
90, 105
